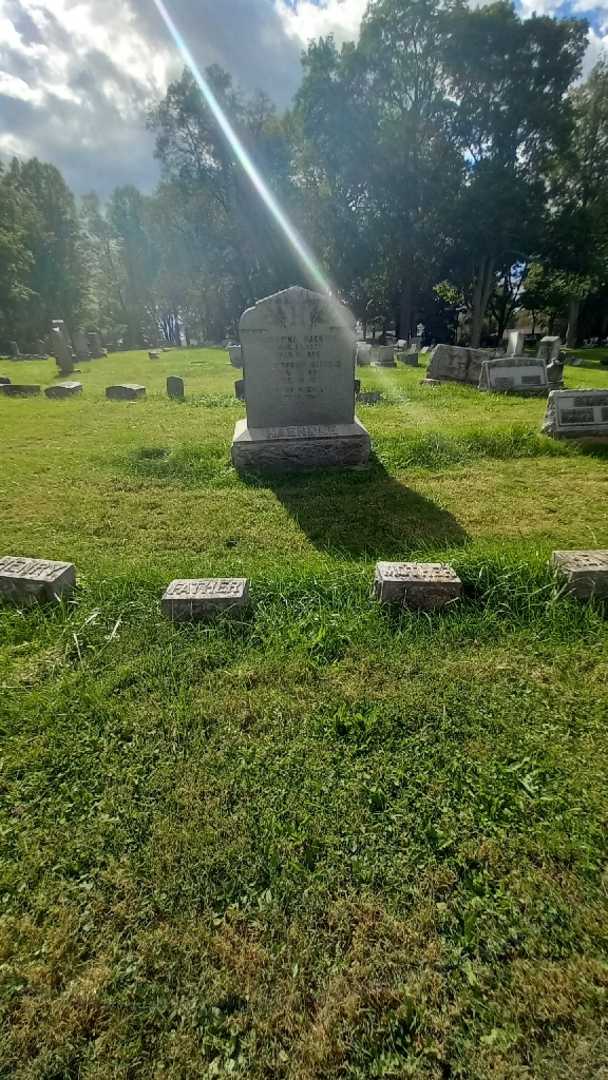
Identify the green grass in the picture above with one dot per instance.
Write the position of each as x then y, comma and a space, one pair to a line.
322, 840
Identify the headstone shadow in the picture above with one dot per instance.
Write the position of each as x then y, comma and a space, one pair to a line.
364, 513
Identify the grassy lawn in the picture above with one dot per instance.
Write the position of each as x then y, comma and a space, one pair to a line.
322, 841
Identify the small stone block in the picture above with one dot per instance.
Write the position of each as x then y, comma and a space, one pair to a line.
125, 392
154, 354
19, 389
239, 389
369, 397
63, 390
25, 580
585, 572
416, 585
197, 598
175, 387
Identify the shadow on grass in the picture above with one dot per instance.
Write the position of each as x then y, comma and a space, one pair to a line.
363, 513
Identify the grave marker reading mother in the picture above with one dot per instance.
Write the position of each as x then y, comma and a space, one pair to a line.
298, 359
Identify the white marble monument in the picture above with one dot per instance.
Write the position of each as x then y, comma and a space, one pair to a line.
298, 349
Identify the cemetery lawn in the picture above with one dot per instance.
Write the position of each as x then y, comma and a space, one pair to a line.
320, 840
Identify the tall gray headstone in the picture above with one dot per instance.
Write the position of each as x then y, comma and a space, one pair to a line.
549, 348
298, 349
59, 348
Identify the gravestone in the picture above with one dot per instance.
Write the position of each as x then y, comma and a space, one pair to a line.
4, 381
453, 363
299, 367
19, 389
95, 347
235, 352
239, 389
24, 580
416, 585
585, 572
369, 397
14, 350
549, 348
125, 392
363, 354
175, 387
515, 342
408, 356
154, 354
577, 414
81, 345
555, 374
197, 598
59, 348
383, 356
523, 375
63, 390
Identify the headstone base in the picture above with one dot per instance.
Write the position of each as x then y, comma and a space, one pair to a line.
299, 447
585, 572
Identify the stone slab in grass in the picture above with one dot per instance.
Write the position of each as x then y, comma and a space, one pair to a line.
577, 414
19, 389
64, 389
125, 392
426, 586
187, 599
584, 572
24, 580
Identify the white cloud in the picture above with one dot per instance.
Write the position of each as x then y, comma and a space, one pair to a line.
307, 20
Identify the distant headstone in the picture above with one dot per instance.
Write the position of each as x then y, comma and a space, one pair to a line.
299, 368
19, 389
555, 374
63, 390
175, 387
363, 354
24, 580
59, 348
549, 348
197, 598
95, 347
416, 585
452, 363
576, 361
515, 342
14, 350
235, 352
154, 354
409, 357
523, 375
81, 345
125, 392
239, 389
383, 356
577, 414
585, 572
369, 397
420, 330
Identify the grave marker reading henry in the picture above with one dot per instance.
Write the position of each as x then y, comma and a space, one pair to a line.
25, 580
298, 348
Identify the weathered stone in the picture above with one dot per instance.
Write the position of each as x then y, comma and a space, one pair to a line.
4, 381
154, 354
523, 375
239, 389
577, 414
197, 598
408, 357
585, 572
63, 389
363, 354
175, 387
25, 580
125, 392
555, 374
299, 369
515, 342
451, 363
14, 350
19, 389
81, 345
59, 348
383, 356
549, 348
369, 397
95, 347
235, 352
416, 585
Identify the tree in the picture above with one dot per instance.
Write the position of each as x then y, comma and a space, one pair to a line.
15, 258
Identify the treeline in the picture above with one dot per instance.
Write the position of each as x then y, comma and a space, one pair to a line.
450, 167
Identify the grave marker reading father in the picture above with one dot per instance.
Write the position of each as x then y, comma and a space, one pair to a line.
298, 348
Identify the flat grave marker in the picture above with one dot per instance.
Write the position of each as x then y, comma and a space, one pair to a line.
125, 392
585, 572
25, 580
19, 389
577, 414
187, 599
64, 389
426, 586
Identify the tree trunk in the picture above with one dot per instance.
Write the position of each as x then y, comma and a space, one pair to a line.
484, 280
574, 307
405, 311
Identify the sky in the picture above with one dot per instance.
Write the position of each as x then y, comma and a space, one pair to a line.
76, 76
